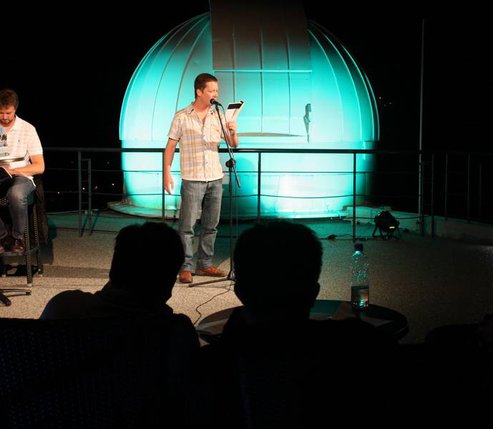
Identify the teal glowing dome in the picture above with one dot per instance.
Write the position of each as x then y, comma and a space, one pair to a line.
302, 90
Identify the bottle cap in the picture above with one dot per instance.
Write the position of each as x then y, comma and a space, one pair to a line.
358, 246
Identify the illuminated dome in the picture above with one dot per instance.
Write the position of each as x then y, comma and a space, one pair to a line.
302, 90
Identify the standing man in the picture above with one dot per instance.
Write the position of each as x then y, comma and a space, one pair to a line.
23, 158
198, 130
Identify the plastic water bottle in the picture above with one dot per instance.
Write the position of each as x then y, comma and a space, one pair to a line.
360, 281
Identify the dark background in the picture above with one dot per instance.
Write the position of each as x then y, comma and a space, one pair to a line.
71, 68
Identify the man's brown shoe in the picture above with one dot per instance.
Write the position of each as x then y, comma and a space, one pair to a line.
211, 271
185, 277
18, 247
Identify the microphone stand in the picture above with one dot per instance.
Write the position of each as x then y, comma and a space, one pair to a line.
231, 164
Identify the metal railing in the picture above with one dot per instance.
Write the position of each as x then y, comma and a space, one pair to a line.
449, 184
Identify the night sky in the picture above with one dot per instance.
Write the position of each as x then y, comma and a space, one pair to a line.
71, 72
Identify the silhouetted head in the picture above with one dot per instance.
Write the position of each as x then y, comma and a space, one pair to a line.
277, 265
147, 259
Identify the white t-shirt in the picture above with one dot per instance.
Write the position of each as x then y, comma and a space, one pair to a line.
22, 142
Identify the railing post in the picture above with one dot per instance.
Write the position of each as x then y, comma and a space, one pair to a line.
445, 193
421, 176
354, 196
480, 190
79, 175
259, 184
163, 194
89, 194
432, 196
468, 196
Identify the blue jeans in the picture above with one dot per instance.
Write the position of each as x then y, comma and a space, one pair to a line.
194, 197
17, 196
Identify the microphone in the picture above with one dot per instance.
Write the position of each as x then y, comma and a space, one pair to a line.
214, 102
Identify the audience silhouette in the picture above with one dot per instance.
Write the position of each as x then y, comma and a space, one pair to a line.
134, 287
273, 366
459, 369
139, 292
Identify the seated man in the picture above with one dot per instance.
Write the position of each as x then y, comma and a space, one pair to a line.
22, 155
145, 263
273, 365
133, 289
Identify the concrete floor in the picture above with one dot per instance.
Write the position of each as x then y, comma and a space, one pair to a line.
432, 281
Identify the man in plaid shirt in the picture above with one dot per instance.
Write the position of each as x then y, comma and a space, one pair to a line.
197, 129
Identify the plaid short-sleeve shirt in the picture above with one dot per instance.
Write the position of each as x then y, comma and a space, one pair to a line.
199, 143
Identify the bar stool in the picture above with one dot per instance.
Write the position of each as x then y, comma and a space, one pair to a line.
32, 243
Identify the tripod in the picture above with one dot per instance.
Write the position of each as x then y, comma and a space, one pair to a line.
231, 164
